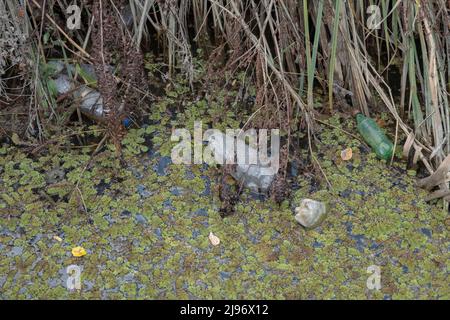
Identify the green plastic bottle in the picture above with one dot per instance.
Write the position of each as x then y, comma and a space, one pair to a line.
374, 137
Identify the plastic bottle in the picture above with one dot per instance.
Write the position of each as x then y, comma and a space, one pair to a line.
374, 137
91, 101
257, 177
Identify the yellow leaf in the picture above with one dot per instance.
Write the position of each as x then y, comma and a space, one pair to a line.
78, 252
346, 154
57, 238
213, 239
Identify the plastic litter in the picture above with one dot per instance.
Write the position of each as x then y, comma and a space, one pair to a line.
256, 177
310, 213
91, 102
374, 137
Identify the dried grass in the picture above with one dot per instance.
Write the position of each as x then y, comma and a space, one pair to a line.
286, 46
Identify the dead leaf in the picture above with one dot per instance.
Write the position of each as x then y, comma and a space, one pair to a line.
346, 154
59, 239
381, 123
215, 241
438, 177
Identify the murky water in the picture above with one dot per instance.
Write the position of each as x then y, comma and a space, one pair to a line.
145, 229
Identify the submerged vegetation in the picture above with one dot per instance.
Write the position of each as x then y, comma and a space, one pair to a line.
105, 186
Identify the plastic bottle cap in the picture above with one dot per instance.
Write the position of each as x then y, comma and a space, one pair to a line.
126, 122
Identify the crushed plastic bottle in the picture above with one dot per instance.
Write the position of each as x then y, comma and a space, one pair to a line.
374, 137
91, 102
63, 84
257, 177
310, 213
